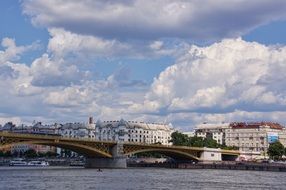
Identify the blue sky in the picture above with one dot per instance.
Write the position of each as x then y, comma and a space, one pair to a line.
175, 61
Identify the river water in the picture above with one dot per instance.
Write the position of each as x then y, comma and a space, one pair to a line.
61, 178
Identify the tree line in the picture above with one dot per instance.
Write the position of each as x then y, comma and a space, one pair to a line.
180, 139
276, 151
30, 153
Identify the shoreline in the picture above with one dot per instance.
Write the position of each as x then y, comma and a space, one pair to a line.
274, 167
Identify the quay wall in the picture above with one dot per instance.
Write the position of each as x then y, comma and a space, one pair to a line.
221, 166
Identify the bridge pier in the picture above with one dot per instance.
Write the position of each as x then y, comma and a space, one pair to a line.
112, 163
118, 160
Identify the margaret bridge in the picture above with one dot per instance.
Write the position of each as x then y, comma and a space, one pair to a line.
109, 154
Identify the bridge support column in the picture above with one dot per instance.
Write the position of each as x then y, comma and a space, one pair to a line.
115, 163
210, 155
118, 159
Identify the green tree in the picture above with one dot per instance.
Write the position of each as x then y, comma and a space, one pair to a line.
30, 153
179, 139
211, 143
230, 147
1, 153
51, 154
197, 141
7, 154
276, 150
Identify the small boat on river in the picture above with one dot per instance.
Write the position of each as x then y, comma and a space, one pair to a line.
18, 162
21, 162
38, 163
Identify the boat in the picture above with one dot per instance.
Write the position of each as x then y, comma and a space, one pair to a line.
38, 163
77, 163
18, 162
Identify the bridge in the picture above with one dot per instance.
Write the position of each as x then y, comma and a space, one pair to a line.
110, 154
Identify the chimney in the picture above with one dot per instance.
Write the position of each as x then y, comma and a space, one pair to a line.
90, 120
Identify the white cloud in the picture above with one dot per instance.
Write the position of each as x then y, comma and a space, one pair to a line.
48, 72
87, 47
229, 75
12, 52
141, 19
64, 43
5, 119
232, 80
156, 45
71, 96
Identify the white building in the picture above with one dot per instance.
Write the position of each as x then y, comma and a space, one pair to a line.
214, 131
190, 133
134, 131
124, 131
254, 136
77, 130
119, 130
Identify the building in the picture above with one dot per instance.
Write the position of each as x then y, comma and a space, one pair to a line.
36, 128
254, 136
190, 133
214, 131
77, 130
251, 136
134, 131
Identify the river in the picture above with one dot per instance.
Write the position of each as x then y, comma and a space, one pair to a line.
69, 178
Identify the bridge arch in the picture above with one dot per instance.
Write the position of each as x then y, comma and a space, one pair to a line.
87, 151
175, 154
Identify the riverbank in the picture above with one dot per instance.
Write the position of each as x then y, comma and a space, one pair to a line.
221, 166
51, 161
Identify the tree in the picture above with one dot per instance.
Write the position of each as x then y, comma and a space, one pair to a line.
211, 143
179, 139
7, 154
197, 141
276, 150
230, 147
30, 153
51, 154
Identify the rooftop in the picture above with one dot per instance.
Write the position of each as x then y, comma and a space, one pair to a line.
240, 125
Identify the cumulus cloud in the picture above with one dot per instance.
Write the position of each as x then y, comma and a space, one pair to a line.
56, 88
12, 52
225, 76
48, 72
65, 43
71, 96
140, 19
121, 78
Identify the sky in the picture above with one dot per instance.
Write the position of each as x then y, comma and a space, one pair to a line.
182, 62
